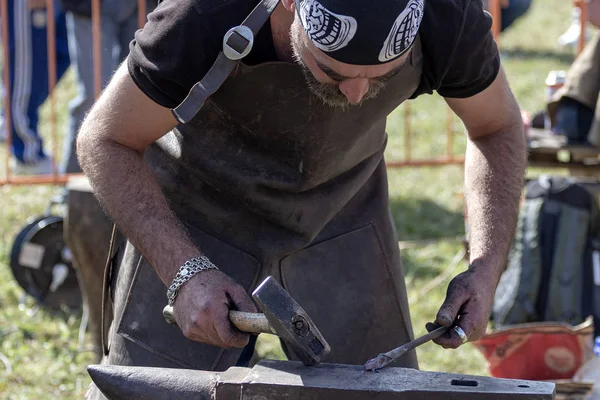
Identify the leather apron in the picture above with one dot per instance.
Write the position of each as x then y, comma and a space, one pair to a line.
269, 181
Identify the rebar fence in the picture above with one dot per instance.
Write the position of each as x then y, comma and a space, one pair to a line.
450, 156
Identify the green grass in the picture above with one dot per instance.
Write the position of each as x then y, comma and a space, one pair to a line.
44, 358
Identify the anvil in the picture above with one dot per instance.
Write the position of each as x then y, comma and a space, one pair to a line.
292, 380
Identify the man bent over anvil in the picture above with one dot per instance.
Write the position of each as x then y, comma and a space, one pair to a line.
281, 171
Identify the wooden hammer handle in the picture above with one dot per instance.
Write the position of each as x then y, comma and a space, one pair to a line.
245, 321
251, 322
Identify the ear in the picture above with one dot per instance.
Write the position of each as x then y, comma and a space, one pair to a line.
289, 5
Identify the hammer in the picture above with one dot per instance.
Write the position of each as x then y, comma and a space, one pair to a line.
281, 315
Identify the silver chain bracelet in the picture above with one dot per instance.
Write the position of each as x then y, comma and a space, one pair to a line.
187, 271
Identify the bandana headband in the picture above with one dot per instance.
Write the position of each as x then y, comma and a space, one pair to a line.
367, 33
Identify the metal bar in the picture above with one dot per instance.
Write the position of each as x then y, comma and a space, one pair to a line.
63, 178
142, 11
97, 47
385, 359
51, 49
38, 179
407, 128
449, 134
6, 78
495, 9
425, 163
583, 15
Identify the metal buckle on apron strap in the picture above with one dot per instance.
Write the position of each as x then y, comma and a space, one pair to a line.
237, 44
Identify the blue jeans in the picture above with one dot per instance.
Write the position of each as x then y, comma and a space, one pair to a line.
119, 21
29, 73
515, 9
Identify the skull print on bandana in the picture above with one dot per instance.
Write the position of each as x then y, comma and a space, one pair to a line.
403, 32
328, 31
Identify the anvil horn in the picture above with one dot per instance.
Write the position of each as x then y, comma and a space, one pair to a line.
119, 382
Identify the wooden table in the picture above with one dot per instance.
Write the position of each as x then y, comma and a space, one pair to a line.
548, 151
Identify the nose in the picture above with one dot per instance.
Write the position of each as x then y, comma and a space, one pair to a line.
354, 89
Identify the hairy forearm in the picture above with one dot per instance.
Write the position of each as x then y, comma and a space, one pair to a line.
494, 172
129, 193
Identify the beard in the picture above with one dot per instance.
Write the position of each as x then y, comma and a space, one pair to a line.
328, 93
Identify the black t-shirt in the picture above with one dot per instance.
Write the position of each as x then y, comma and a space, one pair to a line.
182, 38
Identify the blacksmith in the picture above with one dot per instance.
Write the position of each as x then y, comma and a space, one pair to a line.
281, 172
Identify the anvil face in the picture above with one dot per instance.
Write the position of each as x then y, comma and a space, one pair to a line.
292, 380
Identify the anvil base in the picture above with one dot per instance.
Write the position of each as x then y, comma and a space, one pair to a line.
291, 380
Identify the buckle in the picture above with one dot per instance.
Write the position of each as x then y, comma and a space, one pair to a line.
238, 42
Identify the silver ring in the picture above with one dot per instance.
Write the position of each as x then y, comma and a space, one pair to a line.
461, 333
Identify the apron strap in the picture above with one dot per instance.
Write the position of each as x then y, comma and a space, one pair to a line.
237, 43
105, 290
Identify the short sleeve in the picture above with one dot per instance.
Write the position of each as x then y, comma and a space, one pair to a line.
175, 49
475, 60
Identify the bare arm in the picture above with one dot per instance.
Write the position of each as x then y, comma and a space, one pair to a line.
110, 147
496, 159
494, 172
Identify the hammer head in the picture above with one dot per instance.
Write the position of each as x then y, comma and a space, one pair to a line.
291, 323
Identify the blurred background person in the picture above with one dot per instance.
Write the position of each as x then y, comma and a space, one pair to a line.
28, 52
119, 21
573, 112
571, 35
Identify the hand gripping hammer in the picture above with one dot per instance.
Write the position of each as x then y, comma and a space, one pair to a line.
281, 315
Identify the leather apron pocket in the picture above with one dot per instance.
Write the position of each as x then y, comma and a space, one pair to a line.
142, 321
345, 285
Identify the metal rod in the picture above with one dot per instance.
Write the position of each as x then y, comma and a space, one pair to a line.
51, 49
386, 358
407, 129
425, 163
97, 47
495, 9
7, 91
583, 16
449, 134
142, 11
38, 179
64, 178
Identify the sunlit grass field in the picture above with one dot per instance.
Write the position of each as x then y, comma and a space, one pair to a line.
40, 356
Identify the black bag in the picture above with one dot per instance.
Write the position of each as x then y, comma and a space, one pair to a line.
79, 7
553, 271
